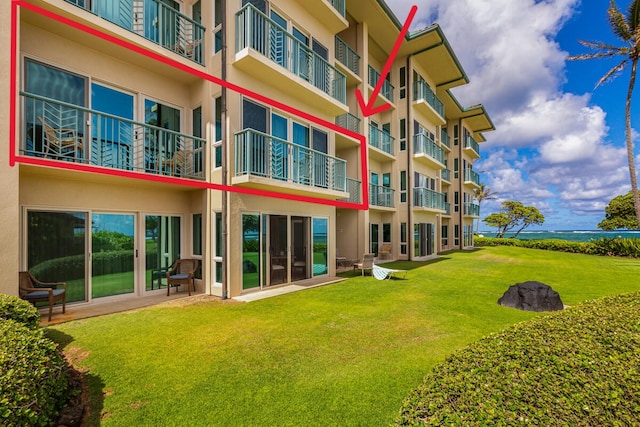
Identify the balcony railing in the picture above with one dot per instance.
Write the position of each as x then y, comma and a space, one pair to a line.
256, 31
387, 88
353, 188
381, 139
445, 139
381, 196
471, 143
447, 208
421, 90
266, 156
445, 174
61, 131
348, 56
471, 176
340, 6
349, 121
427, 198
154, 20
472, 209
422, 144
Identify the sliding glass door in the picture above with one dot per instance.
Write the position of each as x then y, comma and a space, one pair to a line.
112, 254
56, 250
162, 248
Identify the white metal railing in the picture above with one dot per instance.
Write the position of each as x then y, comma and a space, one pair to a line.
62, 131
256, 31
421, 90
381, 196
470, 143
349, 121
387, 88
348, 56
153, 20
263, 155
422, 144
427, 198
471, 176
381, 139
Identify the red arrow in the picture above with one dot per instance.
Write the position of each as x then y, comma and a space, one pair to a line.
367, 108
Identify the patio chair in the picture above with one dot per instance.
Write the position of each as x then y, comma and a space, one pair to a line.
61, 142
33, 291
366, 264
382, 273
182, 272
177, 162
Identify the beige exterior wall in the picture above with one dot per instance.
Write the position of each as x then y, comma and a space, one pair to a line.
43, 188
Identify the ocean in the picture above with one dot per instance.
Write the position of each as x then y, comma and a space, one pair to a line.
573, 235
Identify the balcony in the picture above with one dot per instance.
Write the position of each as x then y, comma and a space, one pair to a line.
472, 209
445, 175
426, 101
264, 50
380, 196
381, 140
331, 13
353, 188
445, 139
349, 121
471, 147
266, 162
428, 199
471, 177
155, 21
427, 151
66, 132
387, 87
447, 209
349, 59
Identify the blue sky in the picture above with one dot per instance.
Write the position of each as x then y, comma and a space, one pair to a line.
559, 142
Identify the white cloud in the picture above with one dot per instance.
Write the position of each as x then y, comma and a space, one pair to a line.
550, 148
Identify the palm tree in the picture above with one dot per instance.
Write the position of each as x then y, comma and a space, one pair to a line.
627, 29
480, 194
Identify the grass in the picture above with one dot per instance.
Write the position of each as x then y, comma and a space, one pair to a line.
345, 354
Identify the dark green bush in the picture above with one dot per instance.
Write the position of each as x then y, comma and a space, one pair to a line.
21, 311
576, 367
33, 377
603, 246
72, 267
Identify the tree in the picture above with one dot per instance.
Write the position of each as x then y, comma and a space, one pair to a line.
627, 29
514, 214
620, 213
480, 194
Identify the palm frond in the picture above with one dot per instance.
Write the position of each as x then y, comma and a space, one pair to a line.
611, 73
633, 17
618, 22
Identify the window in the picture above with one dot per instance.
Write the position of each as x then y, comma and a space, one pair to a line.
403, 134
456, 168
197, 234
217, 137
386, 180
217, 249
375, 238
445, 235
403, 238
456, 235
456, 134
217, 29
403, 186
403, 82
456, 202
386, 233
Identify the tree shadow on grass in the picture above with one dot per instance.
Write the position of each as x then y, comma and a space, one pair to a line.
86, 390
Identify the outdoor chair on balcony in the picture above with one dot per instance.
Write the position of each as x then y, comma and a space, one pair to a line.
33, 291
60, 143
182, 272
176, 164
366, 264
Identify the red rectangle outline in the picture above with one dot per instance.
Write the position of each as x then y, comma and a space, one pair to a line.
13, 158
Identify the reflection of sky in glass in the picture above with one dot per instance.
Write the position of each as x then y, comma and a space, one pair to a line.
114, 222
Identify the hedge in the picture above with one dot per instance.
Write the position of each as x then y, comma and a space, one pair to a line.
576, 367
14, 308
33, 376
603, 246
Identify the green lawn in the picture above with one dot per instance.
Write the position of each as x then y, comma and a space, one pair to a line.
344, 354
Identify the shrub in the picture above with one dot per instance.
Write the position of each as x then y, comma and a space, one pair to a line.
21, 311
33, 376
603, 246
575, 367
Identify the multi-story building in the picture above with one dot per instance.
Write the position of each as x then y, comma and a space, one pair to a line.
127, 119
